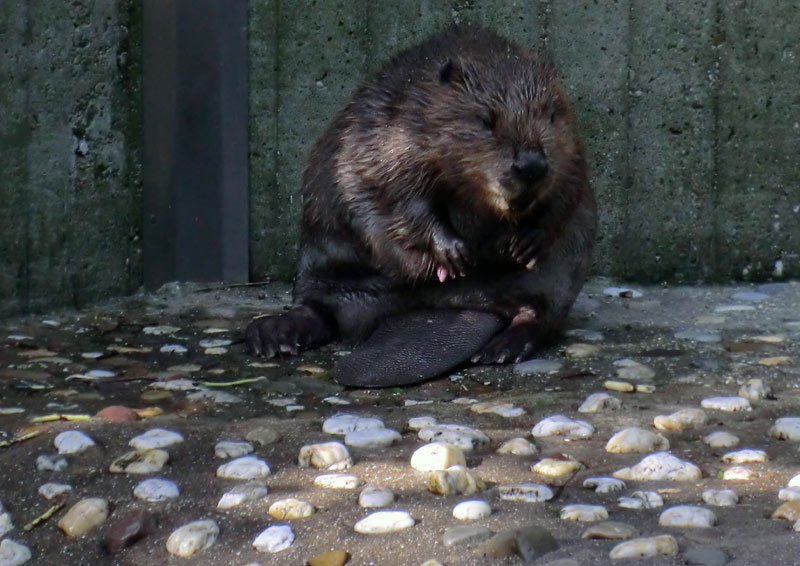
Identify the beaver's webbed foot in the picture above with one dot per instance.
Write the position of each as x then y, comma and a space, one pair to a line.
514, 344
288, 334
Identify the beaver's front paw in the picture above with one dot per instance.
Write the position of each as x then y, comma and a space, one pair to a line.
450, 256
287, 334
528, 246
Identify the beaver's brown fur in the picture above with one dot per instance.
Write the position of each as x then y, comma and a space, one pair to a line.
455, 179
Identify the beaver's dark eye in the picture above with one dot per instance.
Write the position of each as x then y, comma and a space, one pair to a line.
488, 119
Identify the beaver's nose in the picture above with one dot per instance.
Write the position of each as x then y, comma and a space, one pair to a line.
530, 165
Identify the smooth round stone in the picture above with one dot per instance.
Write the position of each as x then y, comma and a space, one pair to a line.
528, 542
437, 456
156, 489
581, 351
140, 462
507, 410
338, 481
635, 439
641, 500
13, 553
173, 349
290, 508
472, 510
789, 511
537, 366
720, 497
53, 490
418, 423
730, 404
263, 435
555, 467
789, 493
244, 468
118, 414
621, 386
611, 530
331, 456
754, 390
661, 466
794, 481
375, 496
232, 449
464, 437
384, 522
681, 420
241, 494
175, 385
746, 456
752, 296
632, 370
564, 426
733, 308
84, 516
343, 423
160, 330
705, 556
584, 513
453, 480
525, 492
721, 439
376, 438
215, 343
518, 447
645, 547
274, 539
786, 428
47, 463
128, 528
597, 402
330, 558
73, 442
699, 335
687, 516
155, 438
465, 535
738, 473
6, 525
604, 484
193, 538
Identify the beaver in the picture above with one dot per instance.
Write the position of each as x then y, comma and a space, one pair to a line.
449, 197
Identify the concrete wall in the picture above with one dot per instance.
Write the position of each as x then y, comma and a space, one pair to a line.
690, 110
70, 202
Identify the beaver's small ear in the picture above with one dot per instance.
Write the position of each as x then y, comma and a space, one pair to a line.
451, 71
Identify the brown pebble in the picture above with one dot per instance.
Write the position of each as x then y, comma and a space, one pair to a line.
331, 558
130, 527
118, 413
789, 510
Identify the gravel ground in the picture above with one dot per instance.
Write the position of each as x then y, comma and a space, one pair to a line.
689, 344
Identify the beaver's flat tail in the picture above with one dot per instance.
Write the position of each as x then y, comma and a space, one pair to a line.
417, 346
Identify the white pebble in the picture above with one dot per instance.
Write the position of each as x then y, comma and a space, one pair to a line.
645, 547
175, 385
633, 371
786, 428
333, 400
343, 423
720, 497
681, 420
337, 481
173, 349
215, 343
72, 442
6, 525
244, 468
507, 410
794, 481
192, 538
331, 456
472, 510
291, 508
47, 463
561, 425
232, 449
13, 553
746, 456
525, 492
85, 515
160, 330
155, 438
635, 439
738, 473
140, 462
274, 539
661, 466
518, 447
699, 335
417, 423
375, 496
599, 401
555, 467
464, 437
687, 516
384, 522
642, 500
584, 513
453, 480
537, 366
754, 390
437, 456
580, 351
251, 491
721, 439
789, 493
156, 489
730, 404
604, 484
53, 490
376, 438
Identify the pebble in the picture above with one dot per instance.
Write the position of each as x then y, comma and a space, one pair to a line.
384, 522
331, 558
720, 497
84, 516
72, 442
331, 456
525, 492
290, 508
746, 456
140, 462
731, 404
789, 510
337, 481
755, 390
721, 439
604, 484
599, 401
155, 438
232, 449
537, 366
418, 423
738, 473
645, 547
621, 386
641, 500
632, 370
561, 425
13, 553
464, 437
455, 480
687, 516
580, 350
556, 467
437, 456
794, 481
241, 494
333, 400
611, 530
705, 556
344, 423
681, 420
699, 335
263, 435
786, 428
518, 447
128, 528
660, 466
528, 542
244, 468
376, 438
375, 496
53, 490
156, 489
472, 510
465, 535
47, 463
118, 414
192, 538
173, 349
635, 439
753, 296
213, 343
789, 493
584, 513
6, 525
160, 330
776, 361
507, 410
